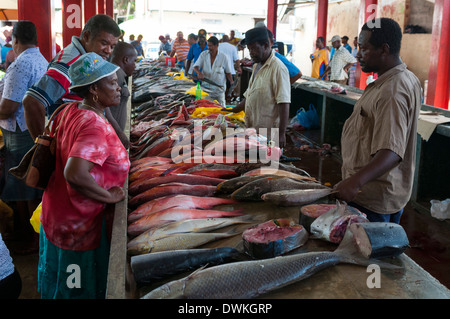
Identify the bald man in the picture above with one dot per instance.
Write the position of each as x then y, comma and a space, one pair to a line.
124, 55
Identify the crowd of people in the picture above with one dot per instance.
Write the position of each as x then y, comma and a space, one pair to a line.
89, 95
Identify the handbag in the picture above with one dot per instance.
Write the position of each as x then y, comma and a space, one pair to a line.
38, 164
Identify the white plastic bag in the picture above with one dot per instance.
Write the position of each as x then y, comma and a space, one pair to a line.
440, 209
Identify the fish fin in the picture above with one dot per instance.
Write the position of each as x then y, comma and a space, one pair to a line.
349, 253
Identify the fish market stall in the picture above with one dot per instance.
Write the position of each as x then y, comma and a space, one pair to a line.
187, 215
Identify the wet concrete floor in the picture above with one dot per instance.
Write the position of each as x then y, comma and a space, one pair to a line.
429, 238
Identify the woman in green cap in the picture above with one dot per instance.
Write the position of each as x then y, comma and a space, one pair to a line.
91, 168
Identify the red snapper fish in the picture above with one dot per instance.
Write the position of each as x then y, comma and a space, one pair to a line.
181, 201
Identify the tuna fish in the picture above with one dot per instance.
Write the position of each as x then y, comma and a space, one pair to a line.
379, 240
254, 190
181, 201
150, 267
172, 188
175, 214
249, 279
296, 197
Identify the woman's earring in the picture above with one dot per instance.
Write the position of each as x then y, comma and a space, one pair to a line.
95, 98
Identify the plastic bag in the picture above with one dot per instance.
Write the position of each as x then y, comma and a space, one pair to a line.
440, 209
35, 219
308, 119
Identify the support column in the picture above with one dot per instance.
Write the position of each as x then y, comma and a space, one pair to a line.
439, 73
72, 20
101, 6
109, 8
272, 6
90, 9
41, 13
367, 11
321, 18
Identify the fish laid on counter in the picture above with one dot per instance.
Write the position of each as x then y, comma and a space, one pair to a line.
254, 190
230, 185
181, 201
140, 186
178, 241
172, 188
379, 240
200, 225
279, 172
246, 167
296, 197
332, 225
273, 238
176, 214
150, 267
249, 279
213, 170
309, 213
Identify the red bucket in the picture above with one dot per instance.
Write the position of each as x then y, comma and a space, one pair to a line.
170, 62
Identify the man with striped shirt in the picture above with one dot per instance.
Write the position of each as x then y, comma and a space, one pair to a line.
99, 35
180, 48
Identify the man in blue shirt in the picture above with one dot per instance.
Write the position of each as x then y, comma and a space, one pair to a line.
294, 72
344, 41
195, 50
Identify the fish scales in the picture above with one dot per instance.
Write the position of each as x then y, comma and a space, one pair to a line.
184, 241
246, 279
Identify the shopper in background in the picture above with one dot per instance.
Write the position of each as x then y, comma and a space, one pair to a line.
214, 66
77, 207
340, 63
345, 44
124, 55
231, 52
29, 66
194, 52
180, 48
320, 59
352, 71
164, 46
138, 45
294, 72
234, 41
268, 96
379, 138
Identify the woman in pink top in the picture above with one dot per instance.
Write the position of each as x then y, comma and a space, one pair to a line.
91, 168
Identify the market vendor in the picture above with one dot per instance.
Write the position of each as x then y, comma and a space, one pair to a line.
100, 35
379, 138
215, 67
267, 99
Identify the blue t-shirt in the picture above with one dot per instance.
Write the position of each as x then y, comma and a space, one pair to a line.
293, 70
194, 53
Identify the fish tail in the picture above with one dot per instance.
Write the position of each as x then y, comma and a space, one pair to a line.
349, 253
